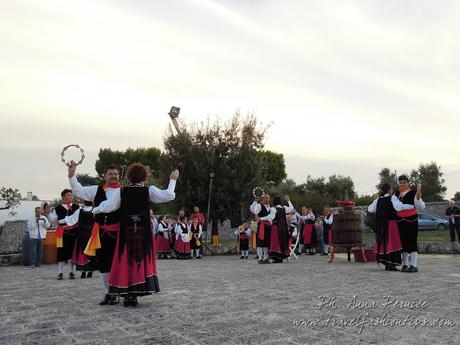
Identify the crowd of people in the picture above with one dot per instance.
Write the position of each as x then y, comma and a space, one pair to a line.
115, 232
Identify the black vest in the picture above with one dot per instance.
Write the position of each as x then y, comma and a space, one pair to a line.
196, 230
105, 218
263, 211
62, 212
85, 220
408, 198
183, 228
135, 202
385, 209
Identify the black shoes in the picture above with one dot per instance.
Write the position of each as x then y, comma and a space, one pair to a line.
83, 275
106, 300
198, 257
130, 301
114, 300
71, 275
410, 269
60, 276
89, 275
241, 257
266, 261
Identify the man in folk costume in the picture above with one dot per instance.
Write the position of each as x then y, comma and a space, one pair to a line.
84, 219
65, 234
107, 225
196, 230
387, 245
162, 238
328, 222
182, 243
408, 223
264, 216
310, 240
279, 240
134, 270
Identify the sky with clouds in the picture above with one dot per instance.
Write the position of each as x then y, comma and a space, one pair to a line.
348, 87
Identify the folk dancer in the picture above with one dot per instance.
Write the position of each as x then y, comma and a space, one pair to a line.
408, 223
279, 241
196, 230
264, 214
107, 225
134, 271
182, 243
328, 222
162, 238
84, 219
387, 245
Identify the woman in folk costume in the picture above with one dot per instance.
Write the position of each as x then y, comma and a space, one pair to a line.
387, 245
328, 221
195, 238
408, 223
84, 218
162, 238
134, 270
310, 241
182, 244
279, 242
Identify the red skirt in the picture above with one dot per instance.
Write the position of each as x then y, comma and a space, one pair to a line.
139, 278
181, 246
307, 229
393, 243
78, 258
275, 247
162, 244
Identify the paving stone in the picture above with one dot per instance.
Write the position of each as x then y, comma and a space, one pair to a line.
224, 300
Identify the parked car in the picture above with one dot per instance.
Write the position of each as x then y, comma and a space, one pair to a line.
429, 222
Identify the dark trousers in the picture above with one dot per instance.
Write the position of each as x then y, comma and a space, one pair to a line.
455, 228
36, 252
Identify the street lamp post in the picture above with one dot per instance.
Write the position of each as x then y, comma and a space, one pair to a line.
211, 177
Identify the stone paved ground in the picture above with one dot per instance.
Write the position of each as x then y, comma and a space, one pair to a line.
224, 300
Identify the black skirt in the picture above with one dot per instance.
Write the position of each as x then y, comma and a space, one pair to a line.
65, 252
244, 244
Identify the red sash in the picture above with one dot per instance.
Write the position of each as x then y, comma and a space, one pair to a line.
243, 236
407, 213
60, 229
262, 229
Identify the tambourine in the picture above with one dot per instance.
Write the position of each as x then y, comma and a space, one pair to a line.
65, 149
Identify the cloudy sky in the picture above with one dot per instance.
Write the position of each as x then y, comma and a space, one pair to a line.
348, 86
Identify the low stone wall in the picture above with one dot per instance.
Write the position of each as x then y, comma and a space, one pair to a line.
439, 248
436, 208
12, 237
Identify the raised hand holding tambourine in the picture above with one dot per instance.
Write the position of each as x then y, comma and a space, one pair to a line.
66, 148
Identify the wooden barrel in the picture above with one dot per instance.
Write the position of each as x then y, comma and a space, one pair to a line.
346, 228
49, 248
